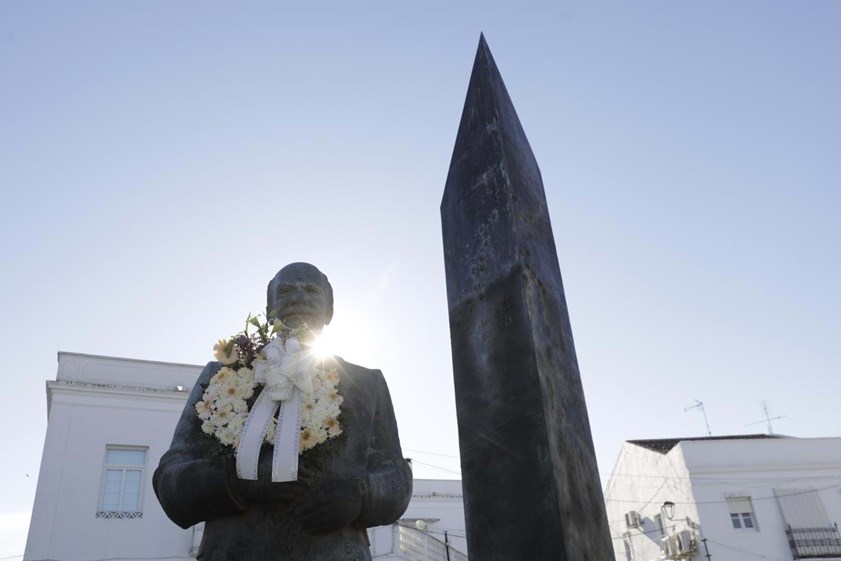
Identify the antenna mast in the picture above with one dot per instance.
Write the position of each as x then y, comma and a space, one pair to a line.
700, 405
768, 418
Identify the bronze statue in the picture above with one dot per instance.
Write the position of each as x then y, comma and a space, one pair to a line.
360, 482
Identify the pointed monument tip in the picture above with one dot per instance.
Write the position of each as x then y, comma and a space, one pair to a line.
483, 51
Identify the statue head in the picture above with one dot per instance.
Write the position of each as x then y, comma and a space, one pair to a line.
300, 293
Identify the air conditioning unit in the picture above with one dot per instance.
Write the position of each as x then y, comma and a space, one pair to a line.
670, 547
687, 542
681, 545
633, 519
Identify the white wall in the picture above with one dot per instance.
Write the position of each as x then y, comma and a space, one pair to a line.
440, 500
755, 468
85, 417
439, 503
699, 475
99, 401
643, 480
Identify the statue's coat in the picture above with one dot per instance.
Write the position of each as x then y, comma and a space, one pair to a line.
192, 488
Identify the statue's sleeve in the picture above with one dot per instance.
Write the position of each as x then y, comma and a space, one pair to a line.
389, 478
190, 487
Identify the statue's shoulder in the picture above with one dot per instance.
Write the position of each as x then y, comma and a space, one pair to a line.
209, 370
200, 385
360, 373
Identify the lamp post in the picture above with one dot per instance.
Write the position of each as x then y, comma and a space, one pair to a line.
668, 509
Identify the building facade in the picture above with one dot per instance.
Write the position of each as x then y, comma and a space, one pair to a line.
109, 422
728, 498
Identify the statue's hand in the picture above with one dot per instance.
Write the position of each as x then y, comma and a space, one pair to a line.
267, 492
263, 490
332, 505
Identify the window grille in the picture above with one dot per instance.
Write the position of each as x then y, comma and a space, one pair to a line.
417, 545
809, 530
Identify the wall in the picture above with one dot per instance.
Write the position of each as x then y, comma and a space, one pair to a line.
699, 475
643, 480
95, 402
439, 504
98, 401
755, 468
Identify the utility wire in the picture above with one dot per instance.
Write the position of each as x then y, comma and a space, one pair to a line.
414, 461
431, 453
654, 531
653, 495
666, 478
745, 552
736, 479
771, 497
696, 478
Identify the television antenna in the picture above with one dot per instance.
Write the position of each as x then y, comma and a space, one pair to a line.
700, 405
768, 418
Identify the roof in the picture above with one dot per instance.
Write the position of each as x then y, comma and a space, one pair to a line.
665, 445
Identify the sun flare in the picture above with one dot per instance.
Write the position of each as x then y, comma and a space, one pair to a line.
349, 338
321, 346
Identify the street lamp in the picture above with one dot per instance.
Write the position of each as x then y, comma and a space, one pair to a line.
668, 509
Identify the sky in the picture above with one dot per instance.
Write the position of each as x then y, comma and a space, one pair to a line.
160, 161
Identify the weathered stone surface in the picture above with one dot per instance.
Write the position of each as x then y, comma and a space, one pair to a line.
529, 472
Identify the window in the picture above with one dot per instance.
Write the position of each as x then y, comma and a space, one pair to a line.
741, 513
810, 531
122, 482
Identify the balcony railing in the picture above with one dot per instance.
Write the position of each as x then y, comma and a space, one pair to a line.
814, 542
417, 545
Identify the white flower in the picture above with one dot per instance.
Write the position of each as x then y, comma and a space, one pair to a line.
320, 434
226, 436
307, 409
204, 408
230, 389
270, 434
222, 415
333, 427
222, 375
240, 406
307, 439
223, 403
245, 382
225, 351
237, 423
245, 376
223, 408
334, 397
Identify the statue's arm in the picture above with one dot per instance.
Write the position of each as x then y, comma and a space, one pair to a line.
389, 478
189, 487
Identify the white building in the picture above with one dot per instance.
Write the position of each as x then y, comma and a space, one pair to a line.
109, 422
726, 499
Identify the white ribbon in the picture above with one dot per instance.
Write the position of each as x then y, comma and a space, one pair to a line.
286, 373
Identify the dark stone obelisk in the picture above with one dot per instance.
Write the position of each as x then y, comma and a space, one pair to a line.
531, 484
